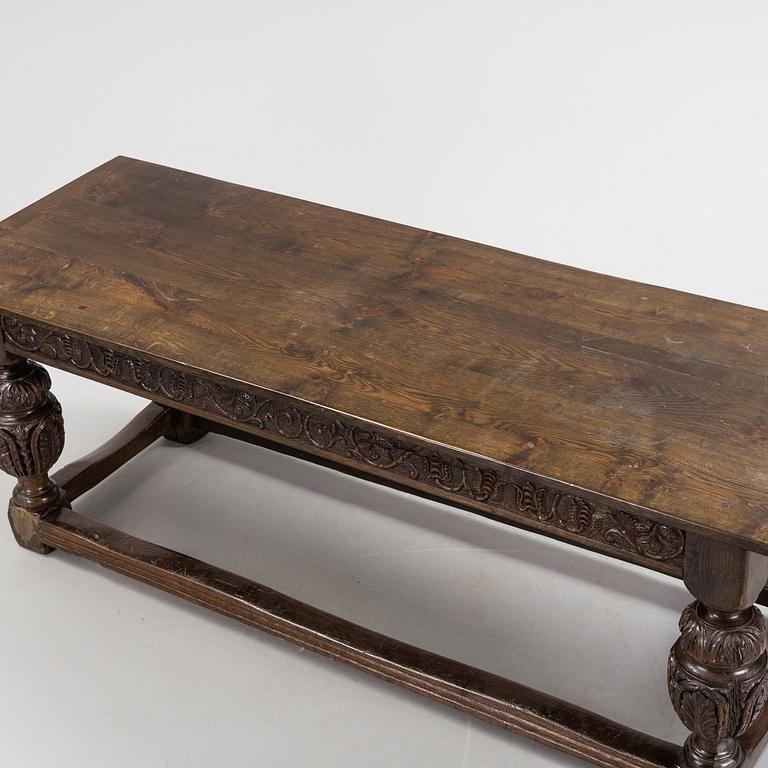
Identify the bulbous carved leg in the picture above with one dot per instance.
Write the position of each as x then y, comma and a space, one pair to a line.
718, 668
718, 679
31, 439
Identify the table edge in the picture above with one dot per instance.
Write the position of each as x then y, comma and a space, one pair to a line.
500, 490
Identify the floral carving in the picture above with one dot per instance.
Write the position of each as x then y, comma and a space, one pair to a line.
23, 387
718, 677
724, 648
32, 447
508, 494
456, 476
630, 533
31, 425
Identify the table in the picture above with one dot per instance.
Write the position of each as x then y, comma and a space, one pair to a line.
620, 417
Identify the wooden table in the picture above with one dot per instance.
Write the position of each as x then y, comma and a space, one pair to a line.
623, 418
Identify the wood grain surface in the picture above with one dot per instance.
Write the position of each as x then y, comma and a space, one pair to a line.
648, 396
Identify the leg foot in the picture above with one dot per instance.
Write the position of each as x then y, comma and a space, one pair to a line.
24, 526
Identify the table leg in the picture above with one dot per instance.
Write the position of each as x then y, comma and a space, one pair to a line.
31, 439
718, 668
184, 428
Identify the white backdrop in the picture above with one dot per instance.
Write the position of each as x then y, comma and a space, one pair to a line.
624, 137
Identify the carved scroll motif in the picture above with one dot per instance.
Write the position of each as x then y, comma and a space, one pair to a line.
431, 468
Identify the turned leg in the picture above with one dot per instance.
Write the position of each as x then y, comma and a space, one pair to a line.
31, 439
718, 668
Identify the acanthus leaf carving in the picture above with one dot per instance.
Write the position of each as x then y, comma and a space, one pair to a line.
31, 424
718, 677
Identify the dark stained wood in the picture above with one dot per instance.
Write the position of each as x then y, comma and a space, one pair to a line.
610, 532
725, 578
184, 428
753, 741
83, 474
698, 672
643, 396
718, 668
31, 440
499, 491
80, 476
483, 695
620, 417
672, 567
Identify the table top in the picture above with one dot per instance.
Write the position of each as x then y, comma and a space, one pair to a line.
644, 395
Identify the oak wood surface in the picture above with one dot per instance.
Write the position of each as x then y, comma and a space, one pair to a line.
649, 396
